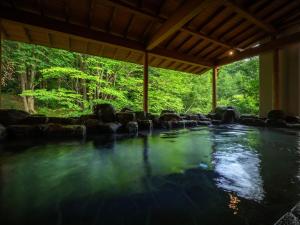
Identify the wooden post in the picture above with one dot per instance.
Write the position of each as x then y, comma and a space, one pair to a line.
276, 88
146, 82
214, 87
0, 67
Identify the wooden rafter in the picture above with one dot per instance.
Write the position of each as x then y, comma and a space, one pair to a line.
91, 6
66, 11
183, 15
247, 15
169, 54
159, 19
55, 26
277, 43
127, 29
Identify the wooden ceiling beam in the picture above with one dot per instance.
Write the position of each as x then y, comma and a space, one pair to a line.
173, 55
271, 45
137, 11
79, 32
184, 14
247, 15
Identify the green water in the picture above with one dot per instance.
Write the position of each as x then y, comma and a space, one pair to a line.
225, 175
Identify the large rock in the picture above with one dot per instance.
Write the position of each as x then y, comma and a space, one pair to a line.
252, 121
226, 114
276, 115
34, 120
192, 117
108, 128
84, 118
132, 127
279, 123
24, 131
202, 117
169, 117
292, 119
145, 124
92, 126
63, 120
172, 124
2, 132
141, 115
125, 117
105, 112
12, 116
64, 131
190, 123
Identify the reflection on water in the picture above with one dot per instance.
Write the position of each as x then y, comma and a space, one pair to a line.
210, 175
233, 203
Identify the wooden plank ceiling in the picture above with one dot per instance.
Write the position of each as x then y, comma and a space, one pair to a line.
184, 35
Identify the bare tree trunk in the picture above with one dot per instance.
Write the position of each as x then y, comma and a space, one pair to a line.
84, 89
30, 100
23, 88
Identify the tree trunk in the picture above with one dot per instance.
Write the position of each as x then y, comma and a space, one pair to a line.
30, 100
23, 88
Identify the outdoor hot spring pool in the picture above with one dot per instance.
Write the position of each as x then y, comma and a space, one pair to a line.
211, 176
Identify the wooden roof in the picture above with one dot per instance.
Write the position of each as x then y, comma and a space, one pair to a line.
185, 35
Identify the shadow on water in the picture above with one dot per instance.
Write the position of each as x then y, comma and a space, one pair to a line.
216, 175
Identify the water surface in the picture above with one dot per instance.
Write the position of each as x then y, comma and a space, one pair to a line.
217, 175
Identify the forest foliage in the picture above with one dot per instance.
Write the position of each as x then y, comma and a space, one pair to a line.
62, 83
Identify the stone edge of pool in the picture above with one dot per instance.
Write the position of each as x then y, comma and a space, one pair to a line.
290, 218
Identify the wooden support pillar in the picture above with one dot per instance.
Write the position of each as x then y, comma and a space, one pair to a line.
276, 85
146, 82
0, 67
214, 87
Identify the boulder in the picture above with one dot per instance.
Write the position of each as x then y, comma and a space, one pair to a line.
145, 124
64, 131
216, 122
34, 120
22, 130
172, 124
84, 118
141, 115
202, 117
292, 119
249, 121
132, 127
108, 128
279, 123
92, 126
276, 115
62, 120
190, 123
226, 114
192, 117
169, 117
2, 132
125, 117
12, 116
204, 123
105, 112
229, 116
